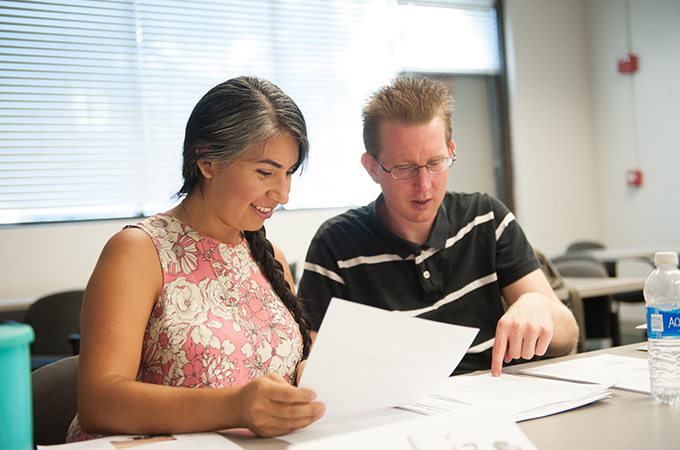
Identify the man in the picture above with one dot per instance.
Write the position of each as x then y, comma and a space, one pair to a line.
451, 257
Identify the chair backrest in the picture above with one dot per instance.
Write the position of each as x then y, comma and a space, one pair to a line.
585, 245
573, 301
53, 318
599, 319
579, 266
54, 400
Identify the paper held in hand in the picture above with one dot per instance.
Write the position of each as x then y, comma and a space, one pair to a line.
366, 358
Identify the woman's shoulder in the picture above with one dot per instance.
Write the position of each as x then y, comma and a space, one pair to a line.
128, 241
158, 222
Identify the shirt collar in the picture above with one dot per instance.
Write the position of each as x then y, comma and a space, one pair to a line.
404, 248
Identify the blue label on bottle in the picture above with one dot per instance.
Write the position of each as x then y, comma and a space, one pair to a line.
662, 323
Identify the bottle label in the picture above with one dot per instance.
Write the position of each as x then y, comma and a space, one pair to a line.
662, 323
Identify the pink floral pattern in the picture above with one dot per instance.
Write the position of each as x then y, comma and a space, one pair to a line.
217, 322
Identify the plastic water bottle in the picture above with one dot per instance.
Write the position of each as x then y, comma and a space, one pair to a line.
662, 296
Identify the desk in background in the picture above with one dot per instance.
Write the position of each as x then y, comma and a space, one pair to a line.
597, 287
611, 256
17, 304
600, 290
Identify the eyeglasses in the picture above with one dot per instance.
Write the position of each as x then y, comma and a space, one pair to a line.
409, 171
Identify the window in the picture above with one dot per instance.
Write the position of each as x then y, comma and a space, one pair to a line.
95, 94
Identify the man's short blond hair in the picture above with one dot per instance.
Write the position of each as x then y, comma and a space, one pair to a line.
409, 100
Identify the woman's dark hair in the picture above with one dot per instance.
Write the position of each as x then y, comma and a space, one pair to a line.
232, 120
263, 252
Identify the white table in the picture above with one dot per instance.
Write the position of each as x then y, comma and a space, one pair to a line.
626, 421
17, 303
610, 256
597, 287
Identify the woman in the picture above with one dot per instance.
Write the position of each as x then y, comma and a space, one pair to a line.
197, 297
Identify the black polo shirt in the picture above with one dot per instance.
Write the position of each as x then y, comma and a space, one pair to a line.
475, 248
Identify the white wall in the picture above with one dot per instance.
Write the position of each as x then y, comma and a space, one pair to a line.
571, 127
40, 259
473, 135
554, 154
650, 215
571, 121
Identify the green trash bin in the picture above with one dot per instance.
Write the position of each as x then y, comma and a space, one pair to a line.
16, 404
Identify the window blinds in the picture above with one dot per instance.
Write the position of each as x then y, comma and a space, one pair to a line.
95, 94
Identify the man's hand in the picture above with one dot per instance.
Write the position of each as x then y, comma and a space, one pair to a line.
536, 323
525, 330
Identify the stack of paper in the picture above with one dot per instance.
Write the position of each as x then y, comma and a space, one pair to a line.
473, 429
522, 398
622, 372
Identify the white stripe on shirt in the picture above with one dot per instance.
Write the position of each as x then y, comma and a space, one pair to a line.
479, 348
453, 296
323, 271
460, 235
376, 259
504, 224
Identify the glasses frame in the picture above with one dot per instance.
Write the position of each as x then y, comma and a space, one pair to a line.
417, 167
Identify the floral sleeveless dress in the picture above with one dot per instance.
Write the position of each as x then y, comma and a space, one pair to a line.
215, 324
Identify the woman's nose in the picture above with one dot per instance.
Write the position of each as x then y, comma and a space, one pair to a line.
280, 190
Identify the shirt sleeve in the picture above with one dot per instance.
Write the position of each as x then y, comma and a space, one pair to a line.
515, 256
321, 279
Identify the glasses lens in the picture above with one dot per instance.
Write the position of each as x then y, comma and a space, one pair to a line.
440, 165
402, 172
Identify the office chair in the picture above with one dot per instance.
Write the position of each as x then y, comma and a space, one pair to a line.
54, 400
584, 245
573, 302
600, 320
55, 319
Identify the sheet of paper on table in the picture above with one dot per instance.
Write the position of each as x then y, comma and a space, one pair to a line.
522, 398
194, 441
366, 358
474, 428
622, 372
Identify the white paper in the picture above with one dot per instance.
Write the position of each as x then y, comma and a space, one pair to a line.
622, 372
366, 358
197, 441
520, 397
481, 429
359, 421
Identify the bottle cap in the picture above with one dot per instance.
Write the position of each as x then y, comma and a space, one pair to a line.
666, 258
15, 334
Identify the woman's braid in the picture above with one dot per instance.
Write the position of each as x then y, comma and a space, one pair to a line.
263, 252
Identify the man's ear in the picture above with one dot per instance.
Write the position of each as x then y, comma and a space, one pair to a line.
371, 166
207, 168
452, 148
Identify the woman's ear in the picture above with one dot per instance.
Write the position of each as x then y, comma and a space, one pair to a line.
207, 168
371, 166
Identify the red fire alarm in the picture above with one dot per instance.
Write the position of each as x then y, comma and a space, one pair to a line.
628, 64
634, 178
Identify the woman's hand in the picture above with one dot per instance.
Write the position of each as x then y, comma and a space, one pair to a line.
270, 406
